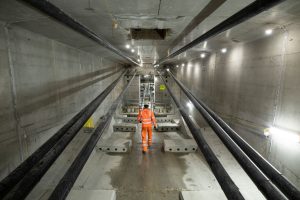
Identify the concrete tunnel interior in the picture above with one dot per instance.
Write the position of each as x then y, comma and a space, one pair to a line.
222, 78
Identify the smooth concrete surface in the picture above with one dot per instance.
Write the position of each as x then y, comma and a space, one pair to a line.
180, 145
43, 83
197, 195
253, 86
155, 175
92, 195
115, 144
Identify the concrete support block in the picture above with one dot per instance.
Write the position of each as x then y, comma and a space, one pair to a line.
92, 195
166, 127
206, 194
180, 145
130, 120
115, 145
163, 119
125, 127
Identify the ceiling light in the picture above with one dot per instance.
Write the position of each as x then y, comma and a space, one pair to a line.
182, 64
132, 50
224, 50
282, 135
139, 60
204, 44
268, 32
177, 66
202, 55
127, 46
189, 104
168, 69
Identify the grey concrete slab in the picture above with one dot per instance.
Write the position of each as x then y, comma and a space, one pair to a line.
167, 126
115, 145
125, 127
180, 145
199, 195
92, 195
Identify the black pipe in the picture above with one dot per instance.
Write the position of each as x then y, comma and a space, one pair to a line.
65, 184
246, 13
22, 189
17, 174
260, 180
230, 189
276, 177
48, 8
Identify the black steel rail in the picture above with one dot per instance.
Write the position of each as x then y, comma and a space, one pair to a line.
64, 186
246, 13
257, 176
230, 189
268, 169
17, 174
32, 177
58, 14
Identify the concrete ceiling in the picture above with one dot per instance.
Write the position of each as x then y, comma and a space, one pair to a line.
113, 19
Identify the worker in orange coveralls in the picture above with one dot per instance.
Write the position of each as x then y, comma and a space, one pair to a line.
146, 117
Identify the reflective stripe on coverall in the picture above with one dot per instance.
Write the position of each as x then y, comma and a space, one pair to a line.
147, 118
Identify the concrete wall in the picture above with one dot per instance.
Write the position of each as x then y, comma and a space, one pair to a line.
254, 86
43, 83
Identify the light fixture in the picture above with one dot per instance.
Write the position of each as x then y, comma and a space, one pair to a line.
202, 55
177, 66
182, 64
282, 135
139, 60
155, 78
223, 50
132, 50
168, 69
189, 65
204, 44
268, 31
189, 104
127, 46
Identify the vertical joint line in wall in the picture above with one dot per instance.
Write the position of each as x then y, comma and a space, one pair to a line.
158, 11
14, 93
278, 94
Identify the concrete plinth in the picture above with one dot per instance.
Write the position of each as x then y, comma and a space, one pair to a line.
180, 145
92, 195
125, 127
165, 127
115, 145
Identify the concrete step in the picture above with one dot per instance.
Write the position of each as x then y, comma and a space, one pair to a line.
180, 145
115, 145
92, 195
166, 127
158, 120
218, 194
125, 127
206, 194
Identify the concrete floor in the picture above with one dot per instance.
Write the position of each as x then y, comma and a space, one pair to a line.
156, 175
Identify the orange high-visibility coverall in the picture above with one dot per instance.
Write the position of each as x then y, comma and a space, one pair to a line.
146, 116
